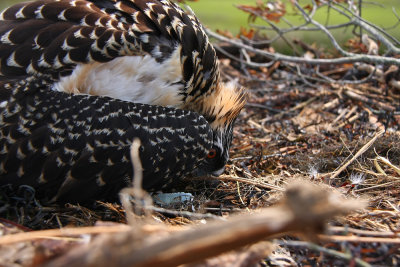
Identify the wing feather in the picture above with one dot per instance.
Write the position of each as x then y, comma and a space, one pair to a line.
51, 37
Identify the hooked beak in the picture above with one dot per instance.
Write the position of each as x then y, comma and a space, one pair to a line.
200, 172
218, 172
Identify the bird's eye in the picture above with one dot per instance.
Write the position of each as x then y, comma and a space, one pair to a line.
212, 154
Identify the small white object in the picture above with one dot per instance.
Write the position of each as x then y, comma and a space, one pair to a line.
3, 104
166, 199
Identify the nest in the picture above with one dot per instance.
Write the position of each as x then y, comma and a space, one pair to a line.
343, 139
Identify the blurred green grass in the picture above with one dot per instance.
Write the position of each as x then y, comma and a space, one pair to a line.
7, 3
223, 14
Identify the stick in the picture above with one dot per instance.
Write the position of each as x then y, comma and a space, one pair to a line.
331, 252
305, 207
248, 181
358, 154
49, 234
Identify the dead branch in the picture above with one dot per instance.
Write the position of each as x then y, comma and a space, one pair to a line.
249, 181
284, 58
362, 232
64, 232
312, 246
306, 207
359, 239
353, 95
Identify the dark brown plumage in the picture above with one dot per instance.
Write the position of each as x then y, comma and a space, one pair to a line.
76, 148
55, 52
49, 37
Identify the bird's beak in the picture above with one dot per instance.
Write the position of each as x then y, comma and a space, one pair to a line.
218, 172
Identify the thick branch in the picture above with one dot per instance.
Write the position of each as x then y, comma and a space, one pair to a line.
305, 207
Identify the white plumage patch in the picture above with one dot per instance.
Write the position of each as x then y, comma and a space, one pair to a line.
3, 104
138, 79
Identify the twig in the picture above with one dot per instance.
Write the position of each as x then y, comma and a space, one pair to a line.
137, 165
359, 239
331, 252
361, 232
248, 63
248, 181
371, 28
187, 214
350, 93
240, 196
142, 199
348, 57
280, 34
350, 120
281, 57
376, 186
297, 29
306, 206
359, 153
136, 191
388, 163
360, 81
323, 29
49, 234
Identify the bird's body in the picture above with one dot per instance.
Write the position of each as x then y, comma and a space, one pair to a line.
74, 154
120, 52
65, 38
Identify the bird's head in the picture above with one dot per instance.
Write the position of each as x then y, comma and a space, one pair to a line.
218, 155
221, 108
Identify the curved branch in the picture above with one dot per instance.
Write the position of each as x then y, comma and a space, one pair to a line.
280, 57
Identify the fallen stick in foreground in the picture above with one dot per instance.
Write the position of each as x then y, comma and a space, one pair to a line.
305, 209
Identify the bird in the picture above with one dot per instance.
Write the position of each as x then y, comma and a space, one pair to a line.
109, 63
76, 148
